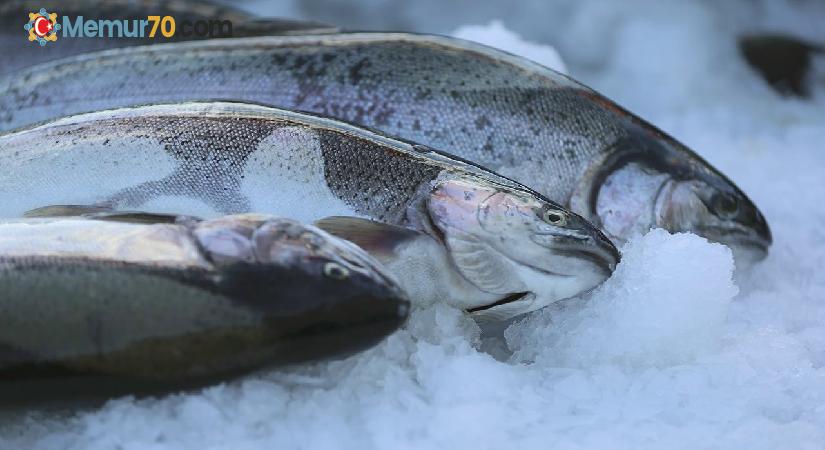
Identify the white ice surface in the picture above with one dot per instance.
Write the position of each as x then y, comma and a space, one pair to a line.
665, 355
495, 34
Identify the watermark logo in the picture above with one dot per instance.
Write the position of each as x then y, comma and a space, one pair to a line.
42, 27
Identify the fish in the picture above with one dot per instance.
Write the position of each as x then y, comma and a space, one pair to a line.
783, 61
515, 117
509, 249
107, 300
222, 20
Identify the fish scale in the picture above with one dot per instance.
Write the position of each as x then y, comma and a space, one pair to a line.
192, 142
371, 176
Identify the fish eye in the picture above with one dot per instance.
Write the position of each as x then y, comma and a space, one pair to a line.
335, 271
553, 217
725, 204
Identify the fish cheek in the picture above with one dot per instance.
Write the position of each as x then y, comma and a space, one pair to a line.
626, 204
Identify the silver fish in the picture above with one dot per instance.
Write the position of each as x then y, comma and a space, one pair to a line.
510, 249
151, 303
516, 117
221, 21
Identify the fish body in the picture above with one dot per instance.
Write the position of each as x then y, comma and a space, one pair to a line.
222, 21
156, 304
209, 159
506, 113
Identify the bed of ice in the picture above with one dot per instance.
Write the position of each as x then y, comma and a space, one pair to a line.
675, 351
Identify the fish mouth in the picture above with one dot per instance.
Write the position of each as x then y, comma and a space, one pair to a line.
602, 260
597, 249
504, 301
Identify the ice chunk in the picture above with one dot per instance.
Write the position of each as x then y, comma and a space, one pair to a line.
666, 303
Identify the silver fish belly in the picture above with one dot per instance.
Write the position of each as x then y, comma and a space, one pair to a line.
182, 302
207, 159
520, 119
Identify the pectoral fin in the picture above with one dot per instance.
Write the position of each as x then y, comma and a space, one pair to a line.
378, 239
65, 211
140, 217
106, 213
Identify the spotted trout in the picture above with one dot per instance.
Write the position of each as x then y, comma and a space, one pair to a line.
518, 118
483, 243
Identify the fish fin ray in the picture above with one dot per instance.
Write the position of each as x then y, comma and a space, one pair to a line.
66, 211
378, 239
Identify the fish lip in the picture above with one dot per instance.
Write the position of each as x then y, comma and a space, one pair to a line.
602, 251
598, 259
598, 249
504, 301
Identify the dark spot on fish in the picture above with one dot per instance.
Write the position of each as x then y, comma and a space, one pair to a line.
483, 122
423, 94
278, 59
355, 72
383, 116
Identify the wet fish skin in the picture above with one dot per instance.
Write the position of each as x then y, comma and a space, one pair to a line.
150, 305
518, 118
18, 52
207, 159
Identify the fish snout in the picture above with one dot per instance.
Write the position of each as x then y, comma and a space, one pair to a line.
583, 241
606, 249
596, 250
762, 231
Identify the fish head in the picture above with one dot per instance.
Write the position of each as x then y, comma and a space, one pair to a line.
715, 208
514, 243
637, 197
644, 178
326, 293
261, 239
